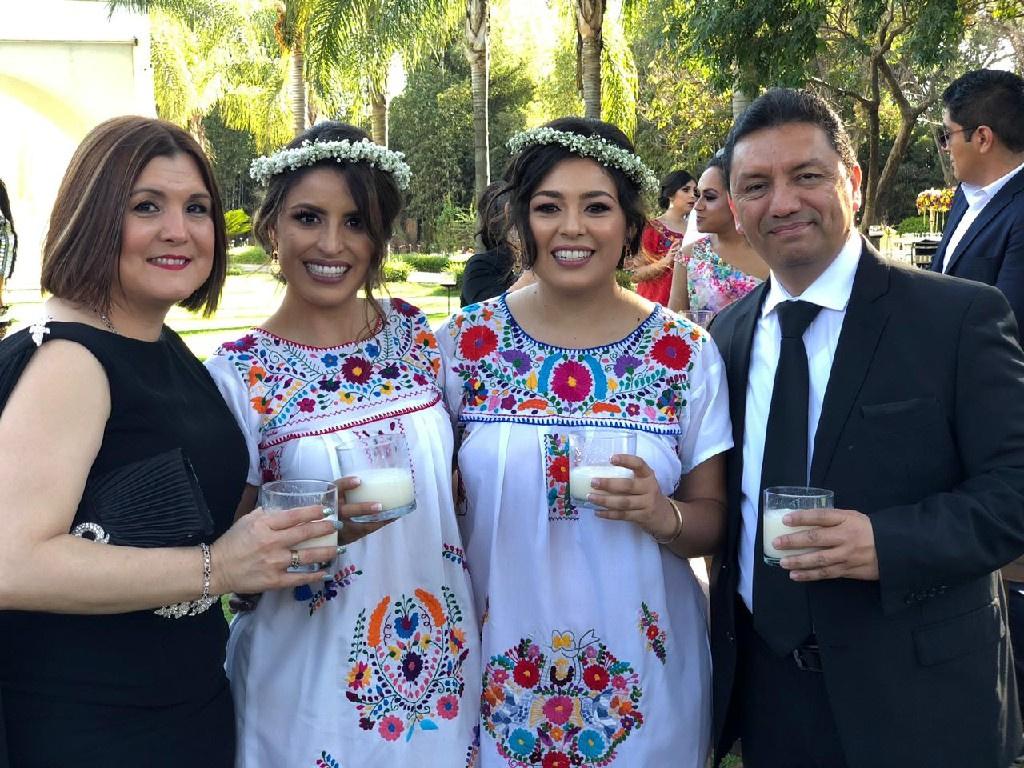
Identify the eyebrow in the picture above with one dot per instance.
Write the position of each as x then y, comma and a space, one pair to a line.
318, 209
812, 163
160, 193
559, 196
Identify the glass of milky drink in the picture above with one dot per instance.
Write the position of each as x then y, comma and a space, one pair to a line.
281, 495
590, 454
382, 464
778, 502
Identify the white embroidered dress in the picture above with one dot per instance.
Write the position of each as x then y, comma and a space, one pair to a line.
381, 666
594, 637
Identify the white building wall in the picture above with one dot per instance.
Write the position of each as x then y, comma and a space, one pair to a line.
65, 66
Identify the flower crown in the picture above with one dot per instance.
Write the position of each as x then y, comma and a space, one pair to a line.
312, 152
595, 147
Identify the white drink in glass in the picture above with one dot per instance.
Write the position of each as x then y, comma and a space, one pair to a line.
391, 487
580, 477
774, 527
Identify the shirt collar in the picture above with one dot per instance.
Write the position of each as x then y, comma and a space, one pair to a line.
833, 287
980, 195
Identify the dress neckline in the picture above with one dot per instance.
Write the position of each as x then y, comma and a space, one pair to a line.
377, 329
519, 329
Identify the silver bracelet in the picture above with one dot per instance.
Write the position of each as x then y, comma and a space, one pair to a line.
193, 607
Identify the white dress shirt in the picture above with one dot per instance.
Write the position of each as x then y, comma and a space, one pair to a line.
977, 198
831, 291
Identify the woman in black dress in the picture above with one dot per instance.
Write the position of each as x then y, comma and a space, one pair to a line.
120, 472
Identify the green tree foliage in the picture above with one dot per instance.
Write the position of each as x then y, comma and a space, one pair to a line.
432, 123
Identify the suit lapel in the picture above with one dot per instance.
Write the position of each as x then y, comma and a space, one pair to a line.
957, 211
991, 209
862, 328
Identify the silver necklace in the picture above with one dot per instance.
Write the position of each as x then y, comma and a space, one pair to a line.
107, 323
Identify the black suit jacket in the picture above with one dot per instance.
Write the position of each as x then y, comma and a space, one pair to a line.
992, 249
922, 428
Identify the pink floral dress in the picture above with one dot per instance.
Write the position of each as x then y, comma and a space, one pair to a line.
379, 666
593, 636
712, 283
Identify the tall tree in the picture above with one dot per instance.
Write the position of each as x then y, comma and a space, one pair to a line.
863, 54
589, 23
478, 55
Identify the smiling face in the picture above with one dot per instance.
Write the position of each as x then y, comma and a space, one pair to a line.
323, 247
713, 212
167, 235
578, 226
794, 199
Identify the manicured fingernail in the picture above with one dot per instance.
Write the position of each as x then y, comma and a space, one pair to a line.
341, 550
338, 525
328, 511
377, 507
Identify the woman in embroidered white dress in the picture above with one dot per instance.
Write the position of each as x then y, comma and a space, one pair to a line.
593, 626
380, 666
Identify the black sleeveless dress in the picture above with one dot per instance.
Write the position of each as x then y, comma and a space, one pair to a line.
133, 688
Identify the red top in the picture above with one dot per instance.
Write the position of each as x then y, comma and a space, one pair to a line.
655, 242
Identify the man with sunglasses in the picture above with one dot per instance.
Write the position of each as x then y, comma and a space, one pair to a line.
983, 132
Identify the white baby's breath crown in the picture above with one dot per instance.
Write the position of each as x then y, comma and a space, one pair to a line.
343, 151
595, 147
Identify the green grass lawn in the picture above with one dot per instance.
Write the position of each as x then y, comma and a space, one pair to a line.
247, 300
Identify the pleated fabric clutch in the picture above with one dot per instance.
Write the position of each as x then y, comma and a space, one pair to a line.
155, 502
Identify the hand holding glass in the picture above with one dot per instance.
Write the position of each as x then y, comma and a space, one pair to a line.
280, 495
778, 502
590, 456
381, 462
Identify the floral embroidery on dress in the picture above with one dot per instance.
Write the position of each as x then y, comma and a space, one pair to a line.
572, 703
405, 666
712, 283
654, 635
641, 381
342, 578
473, 751
290, 383
455, 555
326, 761
556, 476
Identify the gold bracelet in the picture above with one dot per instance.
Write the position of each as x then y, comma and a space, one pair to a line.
679, 523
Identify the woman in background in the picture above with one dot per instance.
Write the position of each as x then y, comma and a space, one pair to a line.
714, 271
652, 267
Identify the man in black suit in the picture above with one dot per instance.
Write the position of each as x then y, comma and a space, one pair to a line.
983, 132
904, 395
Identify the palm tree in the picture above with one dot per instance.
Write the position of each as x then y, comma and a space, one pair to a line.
477, 28
589, 20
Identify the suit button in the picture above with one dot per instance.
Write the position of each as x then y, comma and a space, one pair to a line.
730, 637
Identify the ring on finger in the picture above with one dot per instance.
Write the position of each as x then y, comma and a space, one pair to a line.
295, 558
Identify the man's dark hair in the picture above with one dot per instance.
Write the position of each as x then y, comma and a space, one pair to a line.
783, 106
989, 97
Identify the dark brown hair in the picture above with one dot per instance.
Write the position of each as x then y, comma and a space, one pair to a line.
82, 250
375, 193
527, 170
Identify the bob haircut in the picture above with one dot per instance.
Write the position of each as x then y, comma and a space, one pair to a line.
527, 170
82, 249
376, 194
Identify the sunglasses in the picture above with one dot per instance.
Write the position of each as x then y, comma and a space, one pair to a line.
943, 135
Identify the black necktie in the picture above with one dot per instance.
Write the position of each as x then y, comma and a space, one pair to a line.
781, 613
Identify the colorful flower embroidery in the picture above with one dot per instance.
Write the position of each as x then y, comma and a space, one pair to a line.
455, 555
653, 634
556, 475
573, 706
405, 667
341, 579
293, 384
507, 375
326, 761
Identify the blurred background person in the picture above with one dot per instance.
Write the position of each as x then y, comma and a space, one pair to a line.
8, 251
491, 272
652, 266
720, 267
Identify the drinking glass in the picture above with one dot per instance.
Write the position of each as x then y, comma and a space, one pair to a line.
381, 462
701, 317
280, 495
787, 498
590, 454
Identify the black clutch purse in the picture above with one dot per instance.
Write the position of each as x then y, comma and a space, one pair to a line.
155, 502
